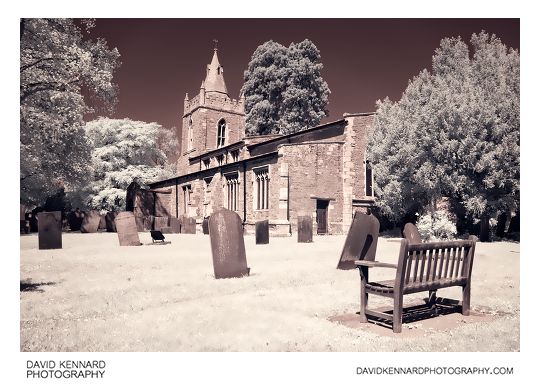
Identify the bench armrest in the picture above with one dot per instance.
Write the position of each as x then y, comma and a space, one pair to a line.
375, 264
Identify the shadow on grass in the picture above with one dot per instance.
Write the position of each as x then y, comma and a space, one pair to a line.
27, 285
442, 306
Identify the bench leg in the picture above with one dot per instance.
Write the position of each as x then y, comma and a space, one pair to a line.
363, 295
397, 315
466, 304
432, 298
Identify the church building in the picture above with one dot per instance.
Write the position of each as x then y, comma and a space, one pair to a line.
321, 171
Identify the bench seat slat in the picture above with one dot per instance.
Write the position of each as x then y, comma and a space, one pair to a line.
387, 287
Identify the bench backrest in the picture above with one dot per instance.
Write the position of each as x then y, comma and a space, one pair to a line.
433, 262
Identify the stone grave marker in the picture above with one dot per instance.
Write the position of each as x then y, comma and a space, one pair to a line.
189, 225
227, 243
109, 221
411, 233
139, 222
50, 230
75, 219
102, 223
90, 222
262, 233
175, 224
305, 228
205, 226
361, 241
160, 223
126, 228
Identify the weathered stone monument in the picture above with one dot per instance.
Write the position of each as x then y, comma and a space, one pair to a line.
205, 226
411, 233
262, 233
161, 223
109, 221
50, 230
75, 219
90, 222
361, 241
175, 225
189, 225
127, 229
227, 242
305, 228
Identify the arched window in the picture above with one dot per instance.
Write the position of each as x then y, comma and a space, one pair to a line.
369, 179
221, 131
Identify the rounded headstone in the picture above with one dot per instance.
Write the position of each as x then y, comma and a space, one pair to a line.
227, 243
305, 228
90, 222
50, 230
189, 225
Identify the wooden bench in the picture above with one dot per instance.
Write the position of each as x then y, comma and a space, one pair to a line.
421, 267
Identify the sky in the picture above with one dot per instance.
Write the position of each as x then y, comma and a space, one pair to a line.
364, 59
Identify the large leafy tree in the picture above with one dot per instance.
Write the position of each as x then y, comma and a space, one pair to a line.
123, 151
62, 74
284, 90
454, 133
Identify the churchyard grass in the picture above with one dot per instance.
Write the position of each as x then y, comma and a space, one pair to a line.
93, 295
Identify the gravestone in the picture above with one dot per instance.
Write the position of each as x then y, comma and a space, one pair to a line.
227, 243
148, 222
205, 226
102, 223
189, 225
50, 230
126, 228
160, 223
411, 233
361, 241
90, 222
139, 222
109, 221
262, 233
305, 228
175, 224
75, 219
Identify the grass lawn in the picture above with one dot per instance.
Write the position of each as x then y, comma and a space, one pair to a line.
94, 295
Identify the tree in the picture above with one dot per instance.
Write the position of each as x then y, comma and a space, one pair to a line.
283, 88
454, 133
124, 151
60, 71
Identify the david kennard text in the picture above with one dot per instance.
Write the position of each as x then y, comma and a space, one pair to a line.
65, 369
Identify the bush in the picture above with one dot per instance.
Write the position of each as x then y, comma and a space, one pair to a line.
436, 226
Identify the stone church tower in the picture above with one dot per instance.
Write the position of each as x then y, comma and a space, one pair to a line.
211, 119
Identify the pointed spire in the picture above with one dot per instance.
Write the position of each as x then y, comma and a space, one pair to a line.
215, 82
187, 97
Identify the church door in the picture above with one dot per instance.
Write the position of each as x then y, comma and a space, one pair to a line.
322, 216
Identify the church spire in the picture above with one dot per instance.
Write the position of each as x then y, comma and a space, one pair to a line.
215, 82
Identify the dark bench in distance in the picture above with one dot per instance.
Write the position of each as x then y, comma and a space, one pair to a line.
421, 267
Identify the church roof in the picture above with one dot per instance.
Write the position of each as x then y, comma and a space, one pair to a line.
215, 82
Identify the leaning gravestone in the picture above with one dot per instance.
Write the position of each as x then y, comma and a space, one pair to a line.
205, 226
127, 229
175, 224
189, 225
262, 233
227, 242
361, 241
50, 230
109, 221
90, 222
411, 233
305, 228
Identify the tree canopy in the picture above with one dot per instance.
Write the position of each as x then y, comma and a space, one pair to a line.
453, 133
123, 151
283, 88
63, 76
